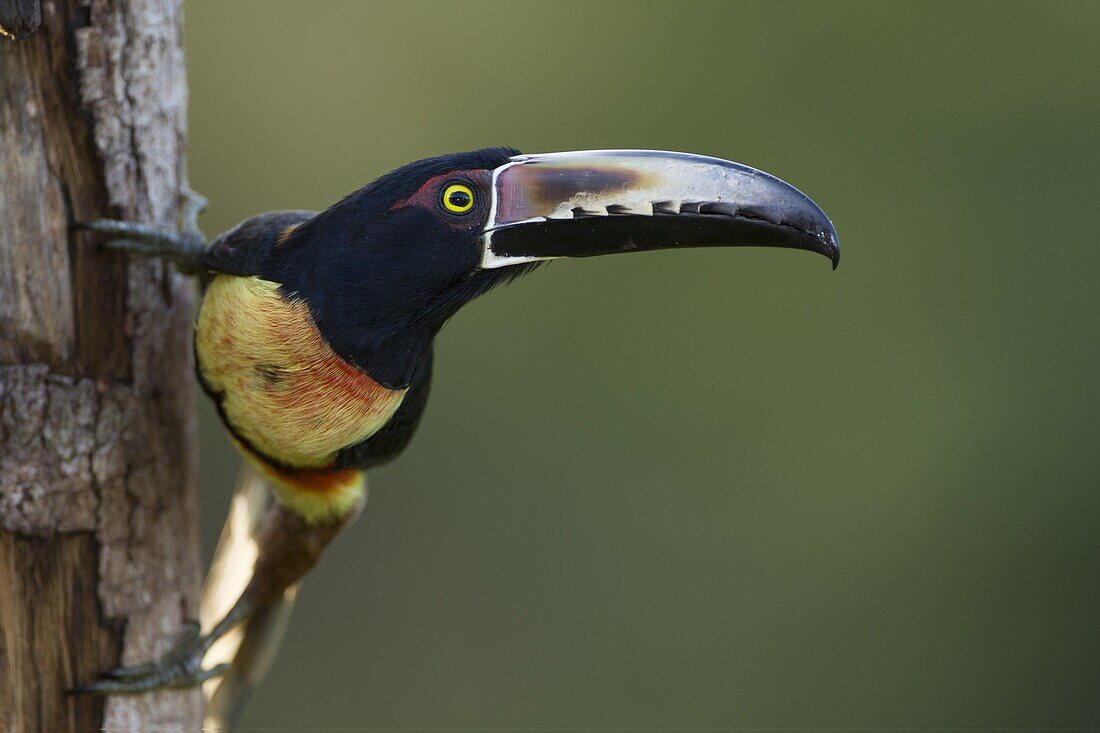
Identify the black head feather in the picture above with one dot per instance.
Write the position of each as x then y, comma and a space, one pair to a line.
381, 275
381, 193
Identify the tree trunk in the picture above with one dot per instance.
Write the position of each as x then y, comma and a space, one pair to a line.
99, 561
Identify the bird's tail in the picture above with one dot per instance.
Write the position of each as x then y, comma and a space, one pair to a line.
251, 647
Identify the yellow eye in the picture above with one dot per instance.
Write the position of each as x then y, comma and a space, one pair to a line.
458, 198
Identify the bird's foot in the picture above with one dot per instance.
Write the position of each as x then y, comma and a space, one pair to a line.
185, 248
180, 667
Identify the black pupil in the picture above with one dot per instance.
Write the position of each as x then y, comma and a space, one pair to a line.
459, 199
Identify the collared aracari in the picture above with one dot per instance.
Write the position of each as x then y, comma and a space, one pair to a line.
314, 336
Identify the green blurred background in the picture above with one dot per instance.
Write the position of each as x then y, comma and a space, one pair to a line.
715, 488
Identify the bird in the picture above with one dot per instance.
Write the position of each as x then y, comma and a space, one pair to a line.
314, 335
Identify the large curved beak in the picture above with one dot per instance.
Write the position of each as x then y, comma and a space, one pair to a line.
598, 202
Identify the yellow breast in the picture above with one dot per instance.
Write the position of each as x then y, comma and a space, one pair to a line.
282, 388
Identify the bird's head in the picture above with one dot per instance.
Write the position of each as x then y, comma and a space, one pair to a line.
384, 268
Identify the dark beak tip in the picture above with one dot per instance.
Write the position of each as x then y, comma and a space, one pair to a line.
830, 242
824, 241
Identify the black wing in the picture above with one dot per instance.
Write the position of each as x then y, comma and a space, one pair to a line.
246, 248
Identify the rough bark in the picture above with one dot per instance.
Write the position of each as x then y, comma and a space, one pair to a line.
99, 561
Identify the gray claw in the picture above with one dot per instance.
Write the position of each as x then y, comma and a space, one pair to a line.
189, 643
180, 667
194, 203
168, 676
185, 248
216, 671
127, 673
190, 633
130, 245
